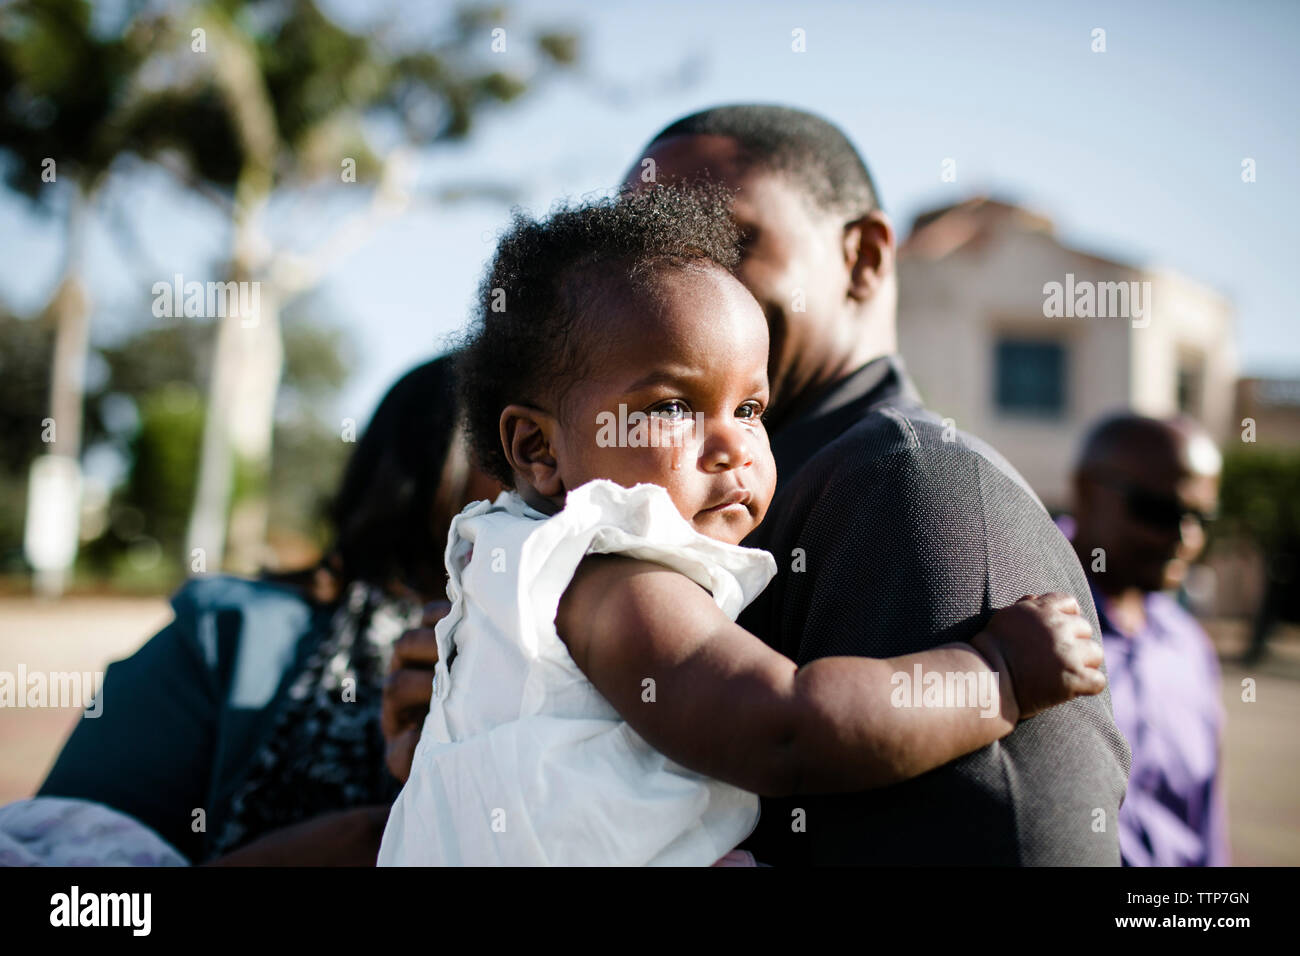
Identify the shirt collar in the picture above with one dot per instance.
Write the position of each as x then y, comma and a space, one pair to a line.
830, 412
1150, 613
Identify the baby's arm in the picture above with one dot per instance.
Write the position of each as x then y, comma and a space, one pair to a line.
728, 706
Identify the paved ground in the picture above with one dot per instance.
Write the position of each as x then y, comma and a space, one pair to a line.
1262, 749
1262, 746
74, 634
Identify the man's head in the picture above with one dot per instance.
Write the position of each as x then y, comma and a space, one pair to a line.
1143, 490
816, 250
613, 342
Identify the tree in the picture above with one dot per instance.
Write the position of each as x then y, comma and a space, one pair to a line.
240, 100
60, 84
24, 404
1260, 499
155, 426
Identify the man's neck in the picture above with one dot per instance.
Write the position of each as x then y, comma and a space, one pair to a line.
1126, 604
870, 335
1127, 610
799, 391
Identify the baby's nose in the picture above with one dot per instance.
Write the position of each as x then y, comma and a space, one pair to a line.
727, 446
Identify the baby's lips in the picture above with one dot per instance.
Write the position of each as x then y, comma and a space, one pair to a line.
736, 496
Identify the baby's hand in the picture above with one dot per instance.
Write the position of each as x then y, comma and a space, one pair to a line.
1045, 646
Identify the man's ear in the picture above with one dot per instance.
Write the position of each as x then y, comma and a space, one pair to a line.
526, 435
869, 253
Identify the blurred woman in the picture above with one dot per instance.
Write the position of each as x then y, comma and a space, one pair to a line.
257, 709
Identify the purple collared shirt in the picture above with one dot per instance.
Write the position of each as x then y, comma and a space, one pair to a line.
1164, 690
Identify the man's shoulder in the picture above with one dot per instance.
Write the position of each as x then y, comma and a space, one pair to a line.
921, 523
904, 445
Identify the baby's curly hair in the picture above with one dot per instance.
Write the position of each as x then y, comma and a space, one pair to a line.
526, 343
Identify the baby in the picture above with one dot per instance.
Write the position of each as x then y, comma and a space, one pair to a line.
594, 700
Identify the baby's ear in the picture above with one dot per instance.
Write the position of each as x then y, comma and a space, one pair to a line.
526, 435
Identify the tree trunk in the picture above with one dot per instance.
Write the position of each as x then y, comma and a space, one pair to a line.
246, 369
54, 496
237, 432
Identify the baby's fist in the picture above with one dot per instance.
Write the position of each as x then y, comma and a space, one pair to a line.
1046, 646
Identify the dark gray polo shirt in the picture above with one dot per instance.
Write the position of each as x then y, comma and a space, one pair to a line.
893, 535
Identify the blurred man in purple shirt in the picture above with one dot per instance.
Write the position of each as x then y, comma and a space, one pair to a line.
1143, 492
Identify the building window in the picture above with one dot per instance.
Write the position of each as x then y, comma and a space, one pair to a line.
1030, 377
1191, 377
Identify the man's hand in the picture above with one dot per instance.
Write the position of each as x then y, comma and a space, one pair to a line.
409, 690
1047, 649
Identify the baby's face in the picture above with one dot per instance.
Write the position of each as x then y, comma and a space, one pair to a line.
675, 398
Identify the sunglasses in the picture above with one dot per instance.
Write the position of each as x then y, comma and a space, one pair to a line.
1155, 510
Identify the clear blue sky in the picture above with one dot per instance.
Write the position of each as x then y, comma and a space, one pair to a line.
1135, 153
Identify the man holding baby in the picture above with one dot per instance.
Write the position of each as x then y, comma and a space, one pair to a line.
885, 526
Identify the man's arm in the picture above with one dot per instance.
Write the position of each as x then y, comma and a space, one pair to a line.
891, 552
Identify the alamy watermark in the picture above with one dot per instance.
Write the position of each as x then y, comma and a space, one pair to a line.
207, 300
130, 910
946, 689
1101, 300
25, 688
639, 430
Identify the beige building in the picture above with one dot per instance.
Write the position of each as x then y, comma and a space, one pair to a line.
1025, 342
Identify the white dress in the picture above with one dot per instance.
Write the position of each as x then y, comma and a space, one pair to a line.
521, 760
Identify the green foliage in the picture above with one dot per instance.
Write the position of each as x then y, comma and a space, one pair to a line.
70, 94
279, 96
1261, 495
13, 503
562, 48
306, 467
157, 366
157, 369
60, 84
170, 350
308, 454
164, 455
142, 547
315, 358
24, 389
28, 349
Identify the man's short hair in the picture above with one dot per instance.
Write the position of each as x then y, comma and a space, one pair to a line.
813, 152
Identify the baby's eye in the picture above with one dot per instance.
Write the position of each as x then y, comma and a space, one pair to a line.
673, 410
751, 411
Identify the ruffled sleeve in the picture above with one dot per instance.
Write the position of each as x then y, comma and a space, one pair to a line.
522, 761
539, 555
602, 517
